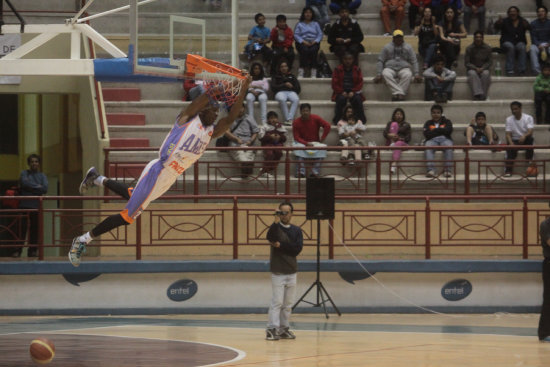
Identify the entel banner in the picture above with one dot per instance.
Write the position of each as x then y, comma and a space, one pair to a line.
8, 43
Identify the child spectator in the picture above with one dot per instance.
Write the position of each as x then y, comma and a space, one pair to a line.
286, 87
397, 133
346, 35
439, 81
427, 32
479, 132
282, 38
437, 132
258, 38
350, 133
257, 90
272, 135
347, 85
542, 94
308, 36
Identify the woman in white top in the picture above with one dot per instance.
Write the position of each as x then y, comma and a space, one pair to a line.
257, 90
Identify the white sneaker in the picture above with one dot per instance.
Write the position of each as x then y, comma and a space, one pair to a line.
313, 73
88, 181
447, 173
76, 251
430, 173
300, 73
392, 169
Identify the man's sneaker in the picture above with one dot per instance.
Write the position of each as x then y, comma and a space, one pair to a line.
447, 173
271, 334
76, 251
88, 181
430, 173
507, 174
546, 340
287, 334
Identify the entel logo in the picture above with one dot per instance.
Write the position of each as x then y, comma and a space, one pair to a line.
456, 290
182, 290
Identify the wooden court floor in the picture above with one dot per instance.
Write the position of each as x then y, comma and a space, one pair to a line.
352, 340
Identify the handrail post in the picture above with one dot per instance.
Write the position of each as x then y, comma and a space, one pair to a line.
287, 172
138, 238
40, 229
235, 228
427, 220
196, 180
525, 251
378, 174
466, 173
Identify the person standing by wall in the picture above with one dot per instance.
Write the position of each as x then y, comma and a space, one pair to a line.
544, 322
286, 242
32, 183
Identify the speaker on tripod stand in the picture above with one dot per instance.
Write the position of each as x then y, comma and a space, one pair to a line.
319, 205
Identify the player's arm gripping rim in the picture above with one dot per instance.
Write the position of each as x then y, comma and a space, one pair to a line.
226, 122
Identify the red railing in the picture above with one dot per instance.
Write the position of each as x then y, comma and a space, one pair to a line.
421, 226
472, 175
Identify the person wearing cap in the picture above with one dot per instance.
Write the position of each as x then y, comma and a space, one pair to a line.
397, 64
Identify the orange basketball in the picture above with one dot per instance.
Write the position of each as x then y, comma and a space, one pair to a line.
532, 171
42, 350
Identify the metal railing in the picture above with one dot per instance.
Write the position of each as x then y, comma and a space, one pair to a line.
421, 226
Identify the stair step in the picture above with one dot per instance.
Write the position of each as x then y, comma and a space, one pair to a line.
125, 118
129, 142
121, 94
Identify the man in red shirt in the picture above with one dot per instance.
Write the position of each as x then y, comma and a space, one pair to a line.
306, 133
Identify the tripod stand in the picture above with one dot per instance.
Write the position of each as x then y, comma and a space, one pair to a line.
322, 294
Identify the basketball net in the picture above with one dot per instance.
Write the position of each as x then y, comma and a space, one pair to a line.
221, 82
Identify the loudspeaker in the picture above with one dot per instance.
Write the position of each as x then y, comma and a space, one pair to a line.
320, 198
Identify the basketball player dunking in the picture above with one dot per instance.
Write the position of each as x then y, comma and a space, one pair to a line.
184, 144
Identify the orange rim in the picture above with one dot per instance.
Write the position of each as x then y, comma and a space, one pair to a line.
195, 64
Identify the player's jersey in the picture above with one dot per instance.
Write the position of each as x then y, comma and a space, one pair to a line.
184, 145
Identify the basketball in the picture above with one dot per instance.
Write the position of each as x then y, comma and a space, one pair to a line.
532, 171
42, 350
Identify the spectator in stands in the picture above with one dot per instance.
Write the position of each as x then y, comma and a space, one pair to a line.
439, 81
479, 132
437, 132
272, 135
320, 12
451, 30
478, 60
540, 39
417, 7
394, 65
308, 36
257, 91
427, 32
542, 94
32, 183
398, 134
243, 133
282, 38
513, 40
519, 131
350, 132
474, 8
258, 40
439, 8
286, 87
346, 35
347, 86
306, 130
351, 5
395, 8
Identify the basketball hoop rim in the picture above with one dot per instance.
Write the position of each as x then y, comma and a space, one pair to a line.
200, 67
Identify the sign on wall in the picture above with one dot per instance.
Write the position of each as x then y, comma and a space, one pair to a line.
8, 43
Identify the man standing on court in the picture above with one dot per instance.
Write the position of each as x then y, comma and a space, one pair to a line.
286, 242
544, 322
185, 143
